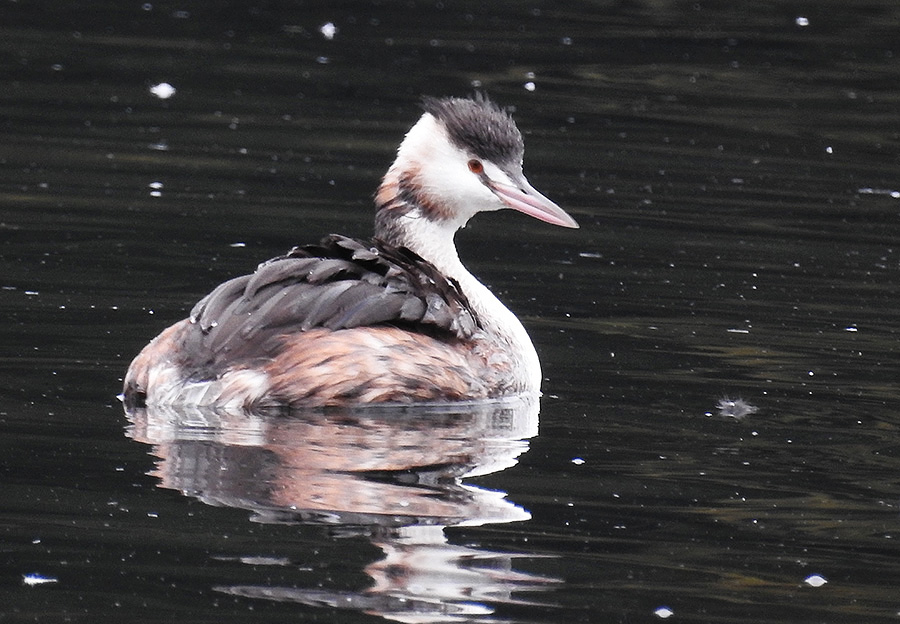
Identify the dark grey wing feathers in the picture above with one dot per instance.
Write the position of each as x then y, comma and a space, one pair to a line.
212, 307
272, 272
339, 283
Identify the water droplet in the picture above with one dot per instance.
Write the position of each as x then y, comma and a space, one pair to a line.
663, 612
37, 579
815, 580
328, 30
163, 90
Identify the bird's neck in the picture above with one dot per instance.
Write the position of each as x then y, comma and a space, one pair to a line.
404, 220
401, 222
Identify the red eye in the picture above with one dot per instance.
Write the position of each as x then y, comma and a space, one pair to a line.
476, 167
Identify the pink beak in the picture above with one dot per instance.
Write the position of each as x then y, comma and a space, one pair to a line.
525, 198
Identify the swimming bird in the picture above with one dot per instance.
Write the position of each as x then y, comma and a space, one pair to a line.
397, 318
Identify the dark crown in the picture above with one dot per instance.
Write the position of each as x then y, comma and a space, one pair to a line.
478, 126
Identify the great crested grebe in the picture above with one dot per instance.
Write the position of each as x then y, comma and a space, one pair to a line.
397, 318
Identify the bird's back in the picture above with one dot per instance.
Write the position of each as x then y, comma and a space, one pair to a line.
287, 332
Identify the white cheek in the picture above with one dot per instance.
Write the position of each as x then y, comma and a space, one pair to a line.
442, 171
447, 176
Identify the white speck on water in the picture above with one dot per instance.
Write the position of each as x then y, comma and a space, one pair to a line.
815, 580
238, 245
577, 461
802, 21
735, 408
876, 191
263, 560
328, 30
851, 328
529, 86
31, 580
163, 90
663, 612
323, 60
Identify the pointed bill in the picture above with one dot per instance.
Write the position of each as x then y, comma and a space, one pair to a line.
525, 198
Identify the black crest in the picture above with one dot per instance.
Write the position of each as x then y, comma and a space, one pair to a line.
478, 126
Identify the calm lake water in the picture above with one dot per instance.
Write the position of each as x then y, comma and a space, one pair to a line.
718, 435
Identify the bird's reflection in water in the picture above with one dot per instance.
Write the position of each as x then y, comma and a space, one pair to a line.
394, 474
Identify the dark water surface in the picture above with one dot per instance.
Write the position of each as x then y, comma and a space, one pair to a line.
734, 167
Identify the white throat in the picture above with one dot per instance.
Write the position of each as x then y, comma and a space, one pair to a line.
433, 240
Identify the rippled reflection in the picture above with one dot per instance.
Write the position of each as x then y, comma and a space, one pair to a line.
393, 474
